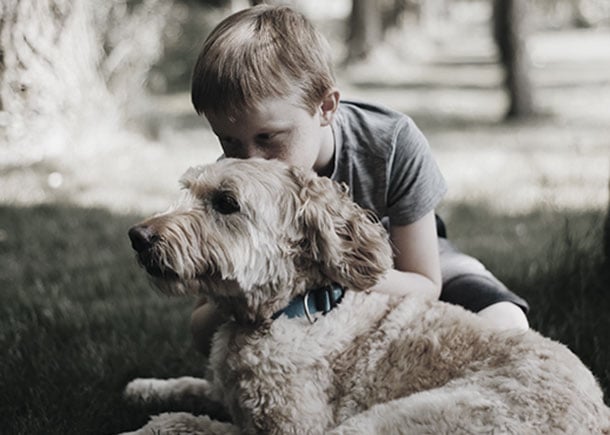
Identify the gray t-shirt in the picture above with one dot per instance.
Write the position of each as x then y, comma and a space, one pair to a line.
386, 162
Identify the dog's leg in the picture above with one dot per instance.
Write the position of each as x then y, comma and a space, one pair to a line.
185, 423
163, 390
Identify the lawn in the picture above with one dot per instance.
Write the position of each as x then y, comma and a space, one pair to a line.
79, 319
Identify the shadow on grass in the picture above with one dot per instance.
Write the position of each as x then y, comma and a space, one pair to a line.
78, 319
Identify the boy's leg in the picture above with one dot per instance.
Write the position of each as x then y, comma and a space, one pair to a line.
505, 315
205, 320
468, 283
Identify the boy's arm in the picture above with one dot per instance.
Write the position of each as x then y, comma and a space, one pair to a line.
416, 260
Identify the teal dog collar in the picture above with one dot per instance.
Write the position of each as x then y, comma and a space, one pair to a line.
322, 299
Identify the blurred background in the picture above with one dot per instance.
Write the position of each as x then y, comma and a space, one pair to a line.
95, 107
96, 127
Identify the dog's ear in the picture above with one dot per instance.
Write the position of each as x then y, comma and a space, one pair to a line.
348, 243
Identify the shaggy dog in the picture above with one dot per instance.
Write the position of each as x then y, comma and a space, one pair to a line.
253, 237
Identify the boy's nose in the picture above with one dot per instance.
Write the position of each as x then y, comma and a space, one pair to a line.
252, 150
243, 151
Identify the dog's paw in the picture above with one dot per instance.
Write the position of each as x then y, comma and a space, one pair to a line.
151, 389
145, 390
174, 423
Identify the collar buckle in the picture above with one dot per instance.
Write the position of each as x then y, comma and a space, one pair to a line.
306, 307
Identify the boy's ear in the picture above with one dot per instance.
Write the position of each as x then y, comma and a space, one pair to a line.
329, 106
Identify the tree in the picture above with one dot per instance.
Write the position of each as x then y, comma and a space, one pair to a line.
365, 32
607, 231
589, 13
70, 70
510, 34
431, 14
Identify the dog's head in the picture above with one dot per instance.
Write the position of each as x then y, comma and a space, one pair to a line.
252, 234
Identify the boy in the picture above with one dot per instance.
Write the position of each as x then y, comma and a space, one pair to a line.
263, 80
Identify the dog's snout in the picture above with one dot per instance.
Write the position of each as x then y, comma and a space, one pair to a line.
142, 237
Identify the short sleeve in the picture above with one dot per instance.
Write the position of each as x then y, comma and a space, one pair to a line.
416, 185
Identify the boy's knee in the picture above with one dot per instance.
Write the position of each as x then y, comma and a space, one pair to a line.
505, 315
477, 292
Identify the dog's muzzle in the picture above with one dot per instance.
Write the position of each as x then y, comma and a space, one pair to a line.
143, 240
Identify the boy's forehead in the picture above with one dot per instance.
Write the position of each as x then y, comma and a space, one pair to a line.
275, 113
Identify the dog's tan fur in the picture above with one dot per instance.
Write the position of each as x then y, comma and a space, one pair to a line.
375, 364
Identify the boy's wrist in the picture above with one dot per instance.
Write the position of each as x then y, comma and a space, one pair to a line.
399, 283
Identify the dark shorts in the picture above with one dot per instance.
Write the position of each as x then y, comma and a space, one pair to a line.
467, 282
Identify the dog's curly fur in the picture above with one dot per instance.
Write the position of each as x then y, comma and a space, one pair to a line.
250, 236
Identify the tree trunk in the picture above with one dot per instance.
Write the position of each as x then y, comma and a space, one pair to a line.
510, 34
47, 71
364, 29
589, 13
71, 70
579, 18
607, 231
432, 13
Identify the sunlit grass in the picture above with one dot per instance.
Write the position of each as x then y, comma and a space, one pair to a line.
78, 319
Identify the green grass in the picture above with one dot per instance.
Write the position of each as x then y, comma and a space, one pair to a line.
78, 318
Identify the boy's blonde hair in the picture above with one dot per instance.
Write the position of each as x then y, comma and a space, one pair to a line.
257, 53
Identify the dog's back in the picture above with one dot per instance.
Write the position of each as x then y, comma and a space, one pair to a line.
453, 370
436, 362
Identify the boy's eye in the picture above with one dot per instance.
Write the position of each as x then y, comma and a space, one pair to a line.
225, 203
264, 137
228, 141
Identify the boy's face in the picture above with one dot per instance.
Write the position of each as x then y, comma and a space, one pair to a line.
278, 128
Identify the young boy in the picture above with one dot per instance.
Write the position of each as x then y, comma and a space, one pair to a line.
263, 80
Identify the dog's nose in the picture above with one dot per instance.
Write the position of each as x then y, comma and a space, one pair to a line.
142, 237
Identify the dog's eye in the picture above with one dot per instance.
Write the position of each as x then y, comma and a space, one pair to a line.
225, 203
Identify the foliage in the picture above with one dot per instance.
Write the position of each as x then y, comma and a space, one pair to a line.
78, 319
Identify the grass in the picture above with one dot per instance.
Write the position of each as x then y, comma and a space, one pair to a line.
78, 319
